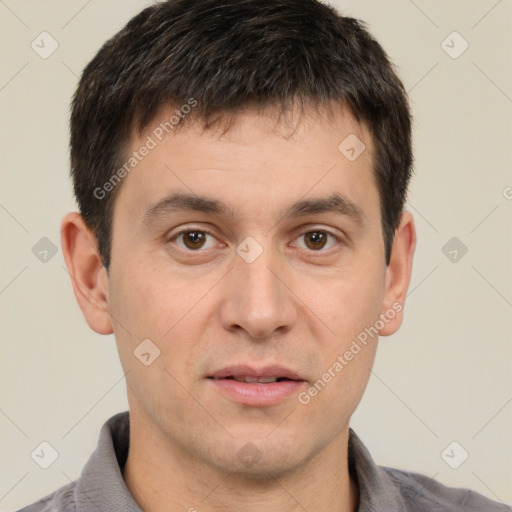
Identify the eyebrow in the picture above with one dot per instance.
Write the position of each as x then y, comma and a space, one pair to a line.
180, 201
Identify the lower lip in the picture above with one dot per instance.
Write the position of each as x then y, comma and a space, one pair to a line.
255, 394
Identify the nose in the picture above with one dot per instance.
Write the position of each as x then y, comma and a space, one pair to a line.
257, 298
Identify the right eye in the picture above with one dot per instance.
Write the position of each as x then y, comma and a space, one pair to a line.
192, 240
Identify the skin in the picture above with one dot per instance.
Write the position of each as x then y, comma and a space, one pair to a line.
296, 306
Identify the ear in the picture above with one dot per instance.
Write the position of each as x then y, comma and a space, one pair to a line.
398, 274
88, 275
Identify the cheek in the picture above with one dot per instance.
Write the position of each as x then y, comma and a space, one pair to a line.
362, 301
347, 302
150, 306
148, 301
346, 357
350, 306
169, 309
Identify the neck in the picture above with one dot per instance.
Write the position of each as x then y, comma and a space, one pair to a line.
162, 476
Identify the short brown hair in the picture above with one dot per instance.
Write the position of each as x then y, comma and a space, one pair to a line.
228, 54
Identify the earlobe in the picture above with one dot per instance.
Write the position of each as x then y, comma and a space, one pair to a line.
87, 273
398, 274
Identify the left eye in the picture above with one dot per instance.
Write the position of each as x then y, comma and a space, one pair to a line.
317, 240
193, 240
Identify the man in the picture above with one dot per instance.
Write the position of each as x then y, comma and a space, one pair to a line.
241, 168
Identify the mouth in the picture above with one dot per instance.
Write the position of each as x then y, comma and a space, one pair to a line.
266, 386
254, 380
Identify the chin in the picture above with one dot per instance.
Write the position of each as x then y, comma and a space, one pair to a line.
260, 459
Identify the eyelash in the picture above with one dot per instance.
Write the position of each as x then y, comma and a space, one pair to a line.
175, 236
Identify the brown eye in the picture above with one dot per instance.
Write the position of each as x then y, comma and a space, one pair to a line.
192, 240
316, 240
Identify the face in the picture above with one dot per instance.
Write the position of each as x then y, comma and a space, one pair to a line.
256, 254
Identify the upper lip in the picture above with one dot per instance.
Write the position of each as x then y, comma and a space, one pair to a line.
276, 371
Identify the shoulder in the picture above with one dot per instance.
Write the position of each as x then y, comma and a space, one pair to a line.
61, 500
422, 493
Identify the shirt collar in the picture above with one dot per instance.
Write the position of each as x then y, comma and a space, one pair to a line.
377, 489
101, 484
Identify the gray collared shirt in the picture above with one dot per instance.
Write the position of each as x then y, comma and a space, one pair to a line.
101, 487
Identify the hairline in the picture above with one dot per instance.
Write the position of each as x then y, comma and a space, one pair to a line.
225, 121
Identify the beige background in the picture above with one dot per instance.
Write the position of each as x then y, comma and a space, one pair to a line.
446, 376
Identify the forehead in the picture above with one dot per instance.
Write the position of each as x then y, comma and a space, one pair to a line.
256, 163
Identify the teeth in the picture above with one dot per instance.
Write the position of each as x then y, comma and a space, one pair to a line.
246, 379
262, 380
267, 379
